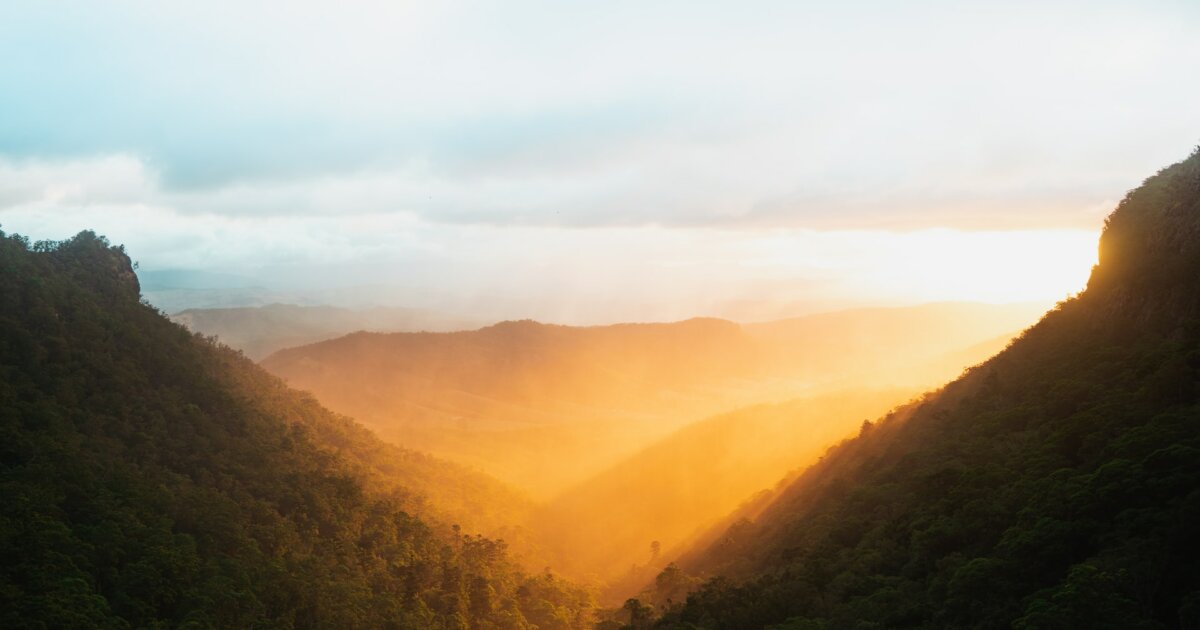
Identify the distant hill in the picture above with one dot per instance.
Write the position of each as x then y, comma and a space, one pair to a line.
174, 290
191, 279
153, 479
1055, 486
259, 331
546, 406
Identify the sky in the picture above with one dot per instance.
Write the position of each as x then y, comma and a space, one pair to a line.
587, 162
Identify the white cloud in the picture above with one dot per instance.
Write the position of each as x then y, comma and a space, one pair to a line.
786, 114
108, 179
555, 273
673, 153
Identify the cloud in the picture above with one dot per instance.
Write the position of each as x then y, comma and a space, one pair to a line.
107, 179
559, 151
549, 272
677, 114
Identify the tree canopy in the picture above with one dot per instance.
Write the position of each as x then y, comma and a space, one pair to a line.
1055, 486
152, 478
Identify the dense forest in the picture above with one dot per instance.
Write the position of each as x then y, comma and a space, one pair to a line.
1055, 486
152, 479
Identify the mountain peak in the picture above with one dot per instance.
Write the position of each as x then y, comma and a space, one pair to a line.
97, 264
1150, 247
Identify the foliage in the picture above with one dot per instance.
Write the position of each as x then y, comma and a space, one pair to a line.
1056, 486
151, 478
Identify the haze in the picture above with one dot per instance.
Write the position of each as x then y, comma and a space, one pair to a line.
608, 316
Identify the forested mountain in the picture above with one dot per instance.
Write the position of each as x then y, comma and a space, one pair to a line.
260, 330
151, 478
546, 406
1055, 486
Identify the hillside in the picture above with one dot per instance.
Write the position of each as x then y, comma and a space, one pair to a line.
546, 407
670, 490
260, 331
673, 490
154, 479
1055, 486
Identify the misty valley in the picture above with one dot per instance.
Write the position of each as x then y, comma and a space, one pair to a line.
944, 465
621, 315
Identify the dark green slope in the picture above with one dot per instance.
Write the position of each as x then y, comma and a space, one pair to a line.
1055, 486
149, 478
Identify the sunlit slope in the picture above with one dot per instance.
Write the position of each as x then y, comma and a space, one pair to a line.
1056, 486
738, 460
546, 406
670, 490
676, 488
153, 479
259, 331
538, 404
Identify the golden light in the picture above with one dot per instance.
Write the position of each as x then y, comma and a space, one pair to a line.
999, 266
943, 264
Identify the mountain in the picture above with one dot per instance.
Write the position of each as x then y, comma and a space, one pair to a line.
1055, 486
151, 478
670, 491
546, 407
260, 331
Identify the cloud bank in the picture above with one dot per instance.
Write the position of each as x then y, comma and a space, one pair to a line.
870, 114
696, 152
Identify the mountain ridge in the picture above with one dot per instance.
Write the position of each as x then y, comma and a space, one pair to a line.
155, 479
1056, 485
567, 401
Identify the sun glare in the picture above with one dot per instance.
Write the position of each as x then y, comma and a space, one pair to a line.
1001, 266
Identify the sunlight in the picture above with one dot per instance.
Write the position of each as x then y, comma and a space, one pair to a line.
945, 264
599, 316
1009, 266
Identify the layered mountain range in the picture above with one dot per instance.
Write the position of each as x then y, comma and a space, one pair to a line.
546, 407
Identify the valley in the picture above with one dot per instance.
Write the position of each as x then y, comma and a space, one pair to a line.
803, 473
545, 406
